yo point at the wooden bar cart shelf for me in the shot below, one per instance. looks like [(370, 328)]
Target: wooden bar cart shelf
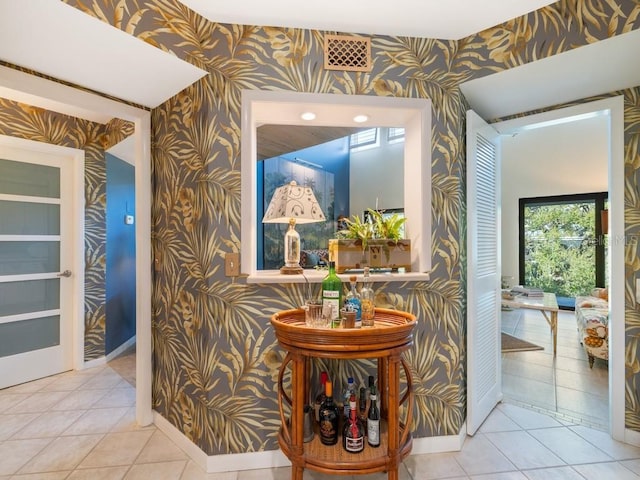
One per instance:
[(386, 341)]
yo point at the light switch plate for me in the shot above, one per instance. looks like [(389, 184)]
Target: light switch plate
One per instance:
[(232, 264)]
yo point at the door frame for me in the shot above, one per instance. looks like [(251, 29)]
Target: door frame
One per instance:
[(613, 108), (76, 243), (37, 91)]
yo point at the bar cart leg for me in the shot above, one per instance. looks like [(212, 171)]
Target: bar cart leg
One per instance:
[(383, 375), (393, 420), (297, 473), (298, 393)]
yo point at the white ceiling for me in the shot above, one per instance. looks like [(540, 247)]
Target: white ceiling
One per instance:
[(444, 19), (53, 38)]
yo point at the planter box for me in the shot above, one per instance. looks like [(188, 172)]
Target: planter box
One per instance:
[(379, 254)]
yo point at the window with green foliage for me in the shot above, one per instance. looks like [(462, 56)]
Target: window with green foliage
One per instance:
[(562, 248)]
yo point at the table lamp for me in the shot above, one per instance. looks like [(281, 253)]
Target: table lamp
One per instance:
[(293, 203)]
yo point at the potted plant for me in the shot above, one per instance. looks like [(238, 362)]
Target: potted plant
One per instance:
[(375, 242)]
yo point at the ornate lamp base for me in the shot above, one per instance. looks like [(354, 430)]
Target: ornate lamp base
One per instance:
[(291, 270)]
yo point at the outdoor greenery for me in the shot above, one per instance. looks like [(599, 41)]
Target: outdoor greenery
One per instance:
[(559, 247)]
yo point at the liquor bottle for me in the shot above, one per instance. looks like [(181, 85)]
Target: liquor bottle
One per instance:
[(371, 383), (362, 408), (332, 293), (353, 432), (373, 421), (371, 386), (352, 301), (329, 417), (320, 395), (348, 391), (367, 300)]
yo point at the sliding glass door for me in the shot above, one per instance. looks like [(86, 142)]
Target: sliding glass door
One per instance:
[(562, 245)]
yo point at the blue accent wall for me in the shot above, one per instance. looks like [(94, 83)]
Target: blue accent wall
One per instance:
[(334, 157), (121, 254)]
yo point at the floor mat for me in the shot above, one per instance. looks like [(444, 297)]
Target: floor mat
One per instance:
[(514, 344)]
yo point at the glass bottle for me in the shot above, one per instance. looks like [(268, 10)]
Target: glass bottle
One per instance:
[(329, 417), (373, 421), (348, 391), (367, 300), (371, 386), (353, 432), (352, 301), (332, 293), (362, 408), (320, 395)]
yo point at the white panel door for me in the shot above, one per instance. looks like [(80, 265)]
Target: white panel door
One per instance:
[(36, 290), (484, 384)]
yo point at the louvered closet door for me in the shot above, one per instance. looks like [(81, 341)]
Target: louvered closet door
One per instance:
[(484, 385)]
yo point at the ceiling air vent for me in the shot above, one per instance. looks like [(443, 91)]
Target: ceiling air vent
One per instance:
[(343, 52)]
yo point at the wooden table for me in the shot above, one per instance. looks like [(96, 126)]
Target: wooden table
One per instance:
[(547, 305), (386, 341)]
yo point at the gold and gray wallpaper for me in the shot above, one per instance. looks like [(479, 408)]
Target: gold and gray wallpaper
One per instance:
[(215, 356)]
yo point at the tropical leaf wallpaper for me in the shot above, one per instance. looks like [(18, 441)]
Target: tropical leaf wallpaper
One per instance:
[(33, 123), (215, 355)]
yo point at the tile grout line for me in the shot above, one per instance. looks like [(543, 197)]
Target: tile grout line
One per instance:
[(556, 415)]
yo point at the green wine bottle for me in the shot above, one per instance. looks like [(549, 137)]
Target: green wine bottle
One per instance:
[(332, 293)]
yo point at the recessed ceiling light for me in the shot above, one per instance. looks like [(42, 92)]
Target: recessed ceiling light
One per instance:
[(360, 118), (308, 116)]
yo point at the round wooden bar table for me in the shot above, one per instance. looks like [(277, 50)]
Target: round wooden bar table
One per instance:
[(386, 341)]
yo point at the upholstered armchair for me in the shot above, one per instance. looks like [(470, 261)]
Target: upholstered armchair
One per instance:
[(592, 317)]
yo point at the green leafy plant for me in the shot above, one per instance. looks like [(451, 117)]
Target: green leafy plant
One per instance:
[(389, 227), (357, 229), (377, 226)]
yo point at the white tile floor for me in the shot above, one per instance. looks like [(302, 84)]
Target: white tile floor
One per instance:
[(80, 426), (565, 386)]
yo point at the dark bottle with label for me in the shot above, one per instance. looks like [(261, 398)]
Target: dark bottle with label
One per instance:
[(320, 395), (362, 408), (373, 420), (371, 385), (329, 418), (332, 293), (353, 433)]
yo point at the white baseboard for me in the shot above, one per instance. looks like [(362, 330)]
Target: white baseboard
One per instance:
[(632, 437), (122, 348), (247, 461), (97, 362), (441, 444), (275, 458), (220, 463), (177, 437)]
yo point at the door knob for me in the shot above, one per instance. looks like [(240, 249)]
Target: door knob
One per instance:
[(66, 273)]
